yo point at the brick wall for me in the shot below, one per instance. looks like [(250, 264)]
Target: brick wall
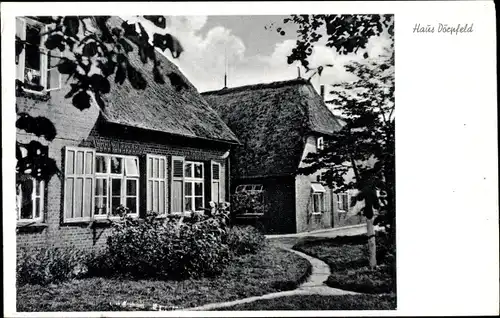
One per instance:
[(88, 130)]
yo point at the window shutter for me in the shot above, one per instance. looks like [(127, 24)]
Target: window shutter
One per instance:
[(156, 186), (216, 178), (79, 183), (21, 34), (177, 188)]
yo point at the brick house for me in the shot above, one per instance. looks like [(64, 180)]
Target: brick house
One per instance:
[(278, 124), (162, 149)]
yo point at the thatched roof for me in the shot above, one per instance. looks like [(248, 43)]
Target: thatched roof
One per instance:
[(271, 121), (161, 107)]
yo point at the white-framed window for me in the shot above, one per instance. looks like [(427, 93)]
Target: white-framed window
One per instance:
[(318, 205), (30, 195), (317, 198), (36, 65), (117, 183), (320, 143), (194, 196), (79, 184), (343, 202), (156, 187), (216, 182)]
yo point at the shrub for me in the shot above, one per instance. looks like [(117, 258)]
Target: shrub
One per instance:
[(172, 248), (48, 265), (245, 239)]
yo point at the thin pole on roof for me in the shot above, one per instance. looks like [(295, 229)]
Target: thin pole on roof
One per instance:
[(225, 67)]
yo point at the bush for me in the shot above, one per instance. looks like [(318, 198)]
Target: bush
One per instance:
[(48, 265), (172, 248), (248, 202), (245, 239)]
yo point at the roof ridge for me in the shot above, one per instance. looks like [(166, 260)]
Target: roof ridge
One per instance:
[(257, 86)]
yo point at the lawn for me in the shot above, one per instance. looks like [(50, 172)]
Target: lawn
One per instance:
[(269, 270), (348, 263), (317, 302)]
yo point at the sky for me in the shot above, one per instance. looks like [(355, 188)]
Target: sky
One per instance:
[(250, 50)]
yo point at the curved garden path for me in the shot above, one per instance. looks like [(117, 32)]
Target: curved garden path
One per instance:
[(314, 284)]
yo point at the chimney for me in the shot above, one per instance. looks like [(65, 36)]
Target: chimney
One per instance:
[(298, 70), (225, 80), (322, 91)]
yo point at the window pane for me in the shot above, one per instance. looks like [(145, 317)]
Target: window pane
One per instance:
[(162, 168), (116, 185), (88, 163), (68, 201), (101, 186), (38, 187), (131, 187), (150, 167), (198, 188), (101, 164), (78, 198), (101, 205), (79, 162), (70, 162), (198, 203), (26, 199), (132, 204), (150, 196), (116, 165), (115, 203), (32, 74), (188, 170), (87, 201), (157, 168), (38, 207), (188, 188), (198, 170), (188, 204), (155, 196), (161, 196)]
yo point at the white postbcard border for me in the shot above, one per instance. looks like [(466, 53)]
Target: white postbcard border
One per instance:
[(446, 149)]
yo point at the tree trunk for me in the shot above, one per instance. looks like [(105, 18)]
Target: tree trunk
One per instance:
[(372, 249)]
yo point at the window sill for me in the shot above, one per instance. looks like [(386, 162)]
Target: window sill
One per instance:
[(31, 224), (22, 227), (43, 95), (316, 213)]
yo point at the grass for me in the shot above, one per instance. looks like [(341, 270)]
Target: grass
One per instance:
[(269, 270), (317, 302), (347, 258)]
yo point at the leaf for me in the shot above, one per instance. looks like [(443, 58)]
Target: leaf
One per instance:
[(158, 77), (74, 88), (90, 49), (121, 74), (54, 41), (81, 100), (19, 46), (365, 55), (100, 83), (66, 66), (126, 46), (168, 41), (177, 81), (136, 78), (72, 25), (158, 20)]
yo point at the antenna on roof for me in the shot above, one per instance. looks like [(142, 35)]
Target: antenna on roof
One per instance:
[(225, 67)]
